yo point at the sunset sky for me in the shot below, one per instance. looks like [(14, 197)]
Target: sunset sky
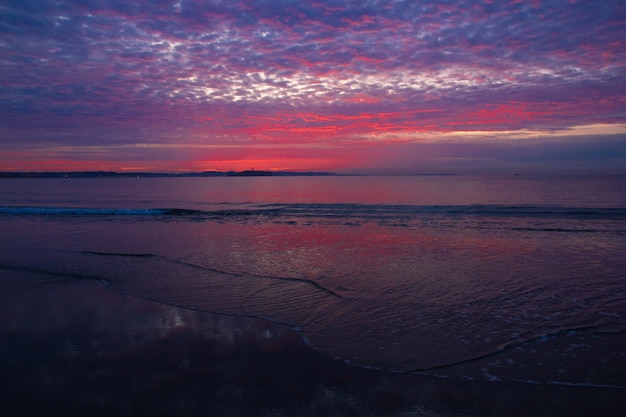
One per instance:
[(330, 85)]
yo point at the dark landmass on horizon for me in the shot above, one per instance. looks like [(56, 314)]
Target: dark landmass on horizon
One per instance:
[(112, 174), (246, 173)]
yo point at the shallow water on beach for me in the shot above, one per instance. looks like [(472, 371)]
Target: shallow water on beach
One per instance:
[(480, 278), (73, 348)]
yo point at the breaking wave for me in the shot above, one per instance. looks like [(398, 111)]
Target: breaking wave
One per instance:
[(355, 211)]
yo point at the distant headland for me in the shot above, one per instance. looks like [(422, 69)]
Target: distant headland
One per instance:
[(112, 174)]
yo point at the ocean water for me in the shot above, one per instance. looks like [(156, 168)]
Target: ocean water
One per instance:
[(504, 279)]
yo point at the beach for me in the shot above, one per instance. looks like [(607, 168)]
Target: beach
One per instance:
[(267, 296), (265, 208), (78, 349)]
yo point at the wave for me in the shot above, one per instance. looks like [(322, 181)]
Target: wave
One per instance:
[(78, 211), (305, 281), (330, 210)]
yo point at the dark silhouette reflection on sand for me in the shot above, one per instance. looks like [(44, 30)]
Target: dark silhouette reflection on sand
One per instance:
[(77, 349)]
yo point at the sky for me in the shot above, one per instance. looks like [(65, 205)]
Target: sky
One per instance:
[(371, 86)]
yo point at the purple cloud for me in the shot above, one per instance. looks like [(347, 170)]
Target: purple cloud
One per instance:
[(219, 72)]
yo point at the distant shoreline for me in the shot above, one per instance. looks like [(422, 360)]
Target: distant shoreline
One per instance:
[(112, 174), (203, 174)]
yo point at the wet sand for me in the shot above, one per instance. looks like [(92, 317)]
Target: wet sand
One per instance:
[(75, 348)]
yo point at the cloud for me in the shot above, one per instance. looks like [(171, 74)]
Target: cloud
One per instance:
[(262, 72)]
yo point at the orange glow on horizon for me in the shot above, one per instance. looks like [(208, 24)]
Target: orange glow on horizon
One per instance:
[(296, 164), (292, 164)]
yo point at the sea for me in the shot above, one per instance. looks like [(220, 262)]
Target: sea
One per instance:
[(494, 278)]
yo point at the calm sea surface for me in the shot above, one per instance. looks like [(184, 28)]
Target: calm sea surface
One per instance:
[(487, 278)]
